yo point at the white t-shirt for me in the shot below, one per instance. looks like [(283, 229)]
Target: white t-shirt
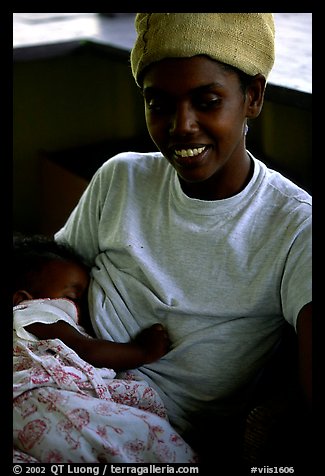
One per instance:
[(220, 275)]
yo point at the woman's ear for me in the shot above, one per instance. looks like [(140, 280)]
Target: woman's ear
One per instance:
[(20, 296), (255, 96)]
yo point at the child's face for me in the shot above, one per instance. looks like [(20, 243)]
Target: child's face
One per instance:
[(61, 279)]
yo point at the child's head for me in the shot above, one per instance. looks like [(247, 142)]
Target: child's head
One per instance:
[(44, 268)]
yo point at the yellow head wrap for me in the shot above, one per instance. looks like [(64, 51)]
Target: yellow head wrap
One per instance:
[(242, 40)]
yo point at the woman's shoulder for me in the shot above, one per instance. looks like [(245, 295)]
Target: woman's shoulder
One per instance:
[(281, 187)]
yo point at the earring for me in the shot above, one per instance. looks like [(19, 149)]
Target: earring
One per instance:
[(245, 129)]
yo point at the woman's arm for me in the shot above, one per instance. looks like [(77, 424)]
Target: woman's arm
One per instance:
[(304, 333), (151, 344)]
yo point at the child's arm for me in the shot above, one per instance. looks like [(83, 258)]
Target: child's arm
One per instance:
[(151, 344)]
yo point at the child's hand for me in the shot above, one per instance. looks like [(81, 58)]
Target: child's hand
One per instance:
[(154, 341)]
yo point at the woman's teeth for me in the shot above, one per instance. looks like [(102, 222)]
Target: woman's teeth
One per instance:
[(189, 152)]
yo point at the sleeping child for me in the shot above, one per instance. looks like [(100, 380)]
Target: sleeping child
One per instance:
[(68, 405)]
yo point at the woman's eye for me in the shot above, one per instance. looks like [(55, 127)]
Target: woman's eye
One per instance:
[(155, 105), (159, 104), (207, 102)]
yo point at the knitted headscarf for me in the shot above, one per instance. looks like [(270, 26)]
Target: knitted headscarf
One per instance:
[(242, 40)]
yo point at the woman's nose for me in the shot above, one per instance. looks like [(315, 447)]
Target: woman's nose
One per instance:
[(183, 121)]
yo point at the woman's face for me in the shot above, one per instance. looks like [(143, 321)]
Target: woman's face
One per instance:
[(196, 113)]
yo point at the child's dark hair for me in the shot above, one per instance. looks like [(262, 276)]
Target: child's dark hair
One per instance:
[(32, 252)]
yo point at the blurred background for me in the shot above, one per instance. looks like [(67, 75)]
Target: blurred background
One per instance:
[(75, 104)]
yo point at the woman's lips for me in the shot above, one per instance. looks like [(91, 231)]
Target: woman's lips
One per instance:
[(189, 152), (189, 156)]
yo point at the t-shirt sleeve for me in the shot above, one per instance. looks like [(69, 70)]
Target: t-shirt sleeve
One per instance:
[(82, 226)]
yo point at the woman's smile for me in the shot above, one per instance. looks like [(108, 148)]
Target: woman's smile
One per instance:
[(190, 157)]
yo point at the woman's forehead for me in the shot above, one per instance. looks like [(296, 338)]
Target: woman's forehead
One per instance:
[(186, 73)]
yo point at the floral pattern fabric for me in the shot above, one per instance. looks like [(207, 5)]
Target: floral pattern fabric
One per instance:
[(67, 411)]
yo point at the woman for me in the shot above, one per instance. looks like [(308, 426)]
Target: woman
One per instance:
[(200, 236)]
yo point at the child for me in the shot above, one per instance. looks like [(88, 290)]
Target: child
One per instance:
[(68, 405), (46, 269)]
